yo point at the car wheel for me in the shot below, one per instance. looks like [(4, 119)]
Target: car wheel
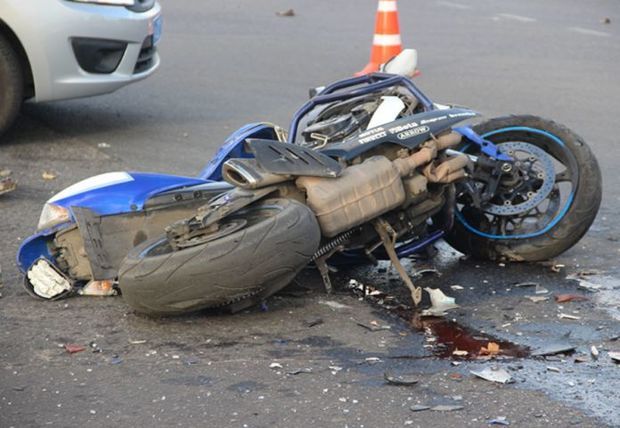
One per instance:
[(11, 84)]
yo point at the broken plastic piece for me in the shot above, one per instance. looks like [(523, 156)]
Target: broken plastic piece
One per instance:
[(419, 408), (440, 303), (568, 316), (563, 298), (446, 408), (615, 356), (400, 380), (553, 349), (500, 420), (98, 288), (72, 348), (275, 366), (493, 374)]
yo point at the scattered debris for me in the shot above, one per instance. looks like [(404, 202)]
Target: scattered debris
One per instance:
[(537, 299), (373, 360), (615, 356), (48, 175), (457, 287), (583, 283), (103, 145), (115, 360), (581, 359), (526, 284), (493, 374), (446, 407), (492, 348), (275, 366), (440, 303), (568, 316), (334, 305), (460, 353), (426, 271), (400, 380), (373, 326), (335, 369), (7, 184), (563, 298), (419, 408), (286, 13), (606, 20), (557, 267), (594, 352), (298, 371), (500, 420), (311, 322), (73, 348), (98, 288), (540, 289), (137, 342), (553, 369), (554, 349)]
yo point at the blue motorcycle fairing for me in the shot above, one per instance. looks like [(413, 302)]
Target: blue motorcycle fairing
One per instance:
[(124, 196), (36, 246), (233, 147), (410, 132)]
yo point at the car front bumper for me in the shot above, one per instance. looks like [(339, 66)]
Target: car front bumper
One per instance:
[(47, 34)]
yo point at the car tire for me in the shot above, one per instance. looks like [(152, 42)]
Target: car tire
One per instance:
[(11, 84)]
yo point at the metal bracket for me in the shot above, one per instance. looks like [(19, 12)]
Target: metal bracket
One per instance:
[(388, 236), (88, 225), (321, 264)]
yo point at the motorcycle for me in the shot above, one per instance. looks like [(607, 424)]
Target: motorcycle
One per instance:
[(369, 169)]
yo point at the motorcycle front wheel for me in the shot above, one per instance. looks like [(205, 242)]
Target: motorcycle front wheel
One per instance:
[(256, 252), (545, 207)]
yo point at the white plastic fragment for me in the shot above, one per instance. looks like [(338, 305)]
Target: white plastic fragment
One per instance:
[(334, 305), (275, 366), (568, 316), (594, 352), (493, 374), (440, 303)]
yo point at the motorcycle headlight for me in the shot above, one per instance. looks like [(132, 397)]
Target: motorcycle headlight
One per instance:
[(109, 2), (52, 215)]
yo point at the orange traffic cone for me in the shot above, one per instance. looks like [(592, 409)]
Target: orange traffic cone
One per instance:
[(386, 41)]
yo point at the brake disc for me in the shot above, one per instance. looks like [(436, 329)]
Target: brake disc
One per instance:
[(540, 164)]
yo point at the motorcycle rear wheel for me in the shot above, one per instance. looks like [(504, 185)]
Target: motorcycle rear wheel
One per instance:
[(233, 271), (556, 224)]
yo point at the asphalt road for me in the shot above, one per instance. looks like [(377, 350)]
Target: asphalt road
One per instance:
[(228, 64)]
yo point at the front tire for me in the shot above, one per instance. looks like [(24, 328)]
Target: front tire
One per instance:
[(232, 272), (11, 85), (561, 222)]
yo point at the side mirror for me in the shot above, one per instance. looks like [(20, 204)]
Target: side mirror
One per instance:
[(403, 64)]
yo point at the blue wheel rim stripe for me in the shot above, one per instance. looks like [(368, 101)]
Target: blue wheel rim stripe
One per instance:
[(547, 228)]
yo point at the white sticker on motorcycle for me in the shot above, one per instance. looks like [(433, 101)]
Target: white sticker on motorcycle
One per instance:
[(92, 183), (413, 132)]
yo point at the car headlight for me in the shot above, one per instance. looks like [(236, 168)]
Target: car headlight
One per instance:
[(109, 2), (52, 215)]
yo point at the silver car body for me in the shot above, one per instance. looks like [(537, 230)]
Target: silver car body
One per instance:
[(45, 29)]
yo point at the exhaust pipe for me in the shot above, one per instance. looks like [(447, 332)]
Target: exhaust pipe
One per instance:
[(246, 174)]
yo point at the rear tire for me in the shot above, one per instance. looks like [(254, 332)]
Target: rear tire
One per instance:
[(11, 85), (233, 272), (573, 220)]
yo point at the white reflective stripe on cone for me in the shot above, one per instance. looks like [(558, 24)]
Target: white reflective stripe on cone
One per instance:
[(386, 40), (387, 6)]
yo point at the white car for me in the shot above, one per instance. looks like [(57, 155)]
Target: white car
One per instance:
[(60, 49)]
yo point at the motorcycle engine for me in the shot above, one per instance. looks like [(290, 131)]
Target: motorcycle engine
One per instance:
[(335, 127)]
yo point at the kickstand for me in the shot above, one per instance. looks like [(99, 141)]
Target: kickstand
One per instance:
[(388, 237), (321, 264)]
